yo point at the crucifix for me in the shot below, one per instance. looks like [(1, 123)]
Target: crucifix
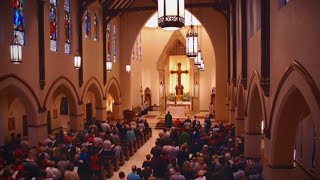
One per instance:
[(179, 87)]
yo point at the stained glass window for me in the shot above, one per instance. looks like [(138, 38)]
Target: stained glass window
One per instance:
[(53, 26), (114, 43), (95, 27), (108, 39), (67, 27), (18, 24), (87, 24)]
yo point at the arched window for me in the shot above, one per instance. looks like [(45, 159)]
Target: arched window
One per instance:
[(18, 22), (95, 27), (87, 24), (67, 27), (53, 26), (115, 43)]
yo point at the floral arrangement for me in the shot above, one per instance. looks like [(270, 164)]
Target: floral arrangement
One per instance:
[(171, 97), (186, 97)]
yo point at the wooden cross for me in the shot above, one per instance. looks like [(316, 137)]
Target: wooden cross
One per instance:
[(179, 72)]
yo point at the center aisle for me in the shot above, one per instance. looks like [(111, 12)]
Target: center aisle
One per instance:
[(138, 158)]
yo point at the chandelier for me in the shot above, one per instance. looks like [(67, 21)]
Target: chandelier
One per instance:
[(108, 66), (192, 42), (77, 61), (201, 66), (16, 53), (128, 68), (197, 60), (170, 14)]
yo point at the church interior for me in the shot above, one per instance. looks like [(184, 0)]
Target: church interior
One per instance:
[(77, 76)]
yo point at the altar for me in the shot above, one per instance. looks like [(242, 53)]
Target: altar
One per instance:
[(178, 109)]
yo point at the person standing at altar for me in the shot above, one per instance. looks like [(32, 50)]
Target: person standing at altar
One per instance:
[(168, 120)]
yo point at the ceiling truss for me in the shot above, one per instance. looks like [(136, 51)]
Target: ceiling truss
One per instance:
[(114, 8)]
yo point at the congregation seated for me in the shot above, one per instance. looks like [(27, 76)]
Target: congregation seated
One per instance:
[(73, 155), (192, 150)]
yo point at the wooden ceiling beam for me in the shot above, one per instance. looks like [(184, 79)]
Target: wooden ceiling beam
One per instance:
[(194, 5)]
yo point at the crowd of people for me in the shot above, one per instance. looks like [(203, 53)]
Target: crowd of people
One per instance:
[(70, 155), (191, 150), (188, 150)]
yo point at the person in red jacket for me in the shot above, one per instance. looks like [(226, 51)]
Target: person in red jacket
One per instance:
[(95, 165)]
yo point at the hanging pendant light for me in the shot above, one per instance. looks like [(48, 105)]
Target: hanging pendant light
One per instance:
[(16, 53), (192, 42), (128, 68), (171, 14), (108, 66), (197, 60), (77, 61), (201, 67)]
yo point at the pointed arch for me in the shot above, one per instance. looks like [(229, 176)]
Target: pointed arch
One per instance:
[(113, 89), (255, 82), (240, 100), (310, 88), (22, 90), (9, 79), (94, 85), (63, 84), (297, 96), (175, 37), (114, 81)]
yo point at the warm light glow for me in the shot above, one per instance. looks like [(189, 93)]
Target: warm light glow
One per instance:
[(128, 68), (153, 21), (185, 78), (109, 66), (201, 66), (171, 14), (197, 60), (16, 54), (192, 42), (77, 61)]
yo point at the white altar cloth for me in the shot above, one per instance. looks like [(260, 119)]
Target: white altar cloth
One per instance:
[(178, 109)]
